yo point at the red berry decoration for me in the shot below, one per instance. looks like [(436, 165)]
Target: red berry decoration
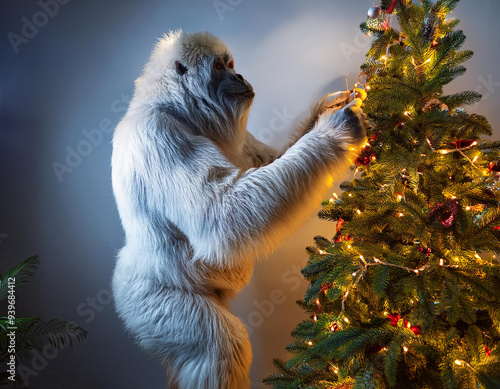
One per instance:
[(417, 330), (426, 251), (487, 350), (400, 125), (494, 167), (340, 223), (462, 143), (366, 157), (394, 319), (446, 212)]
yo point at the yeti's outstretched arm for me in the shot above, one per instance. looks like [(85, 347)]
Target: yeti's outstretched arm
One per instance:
[(230, 216)]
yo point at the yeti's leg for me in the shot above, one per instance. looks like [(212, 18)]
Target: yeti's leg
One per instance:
[(213, 350)]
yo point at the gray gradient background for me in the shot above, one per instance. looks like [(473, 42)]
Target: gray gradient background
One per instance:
[(75, 72)]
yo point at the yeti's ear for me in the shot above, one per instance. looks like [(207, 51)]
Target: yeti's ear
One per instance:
[(180, 68)]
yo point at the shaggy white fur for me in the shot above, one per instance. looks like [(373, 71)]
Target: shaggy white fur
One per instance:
[(201, 199)]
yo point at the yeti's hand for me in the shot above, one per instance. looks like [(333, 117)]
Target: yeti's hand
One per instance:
[(348, 123), (340, 99), (334, 101)]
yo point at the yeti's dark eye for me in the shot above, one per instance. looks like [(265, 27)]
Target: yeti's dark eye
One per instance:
[(230, 65), (218, 65)]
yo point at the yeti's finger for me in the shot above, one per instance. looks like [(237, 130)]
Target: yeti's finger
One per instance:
[(336, 98), (356, 103)]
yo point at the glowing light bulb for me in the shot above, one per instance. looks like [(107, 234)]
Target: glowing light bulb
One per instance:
[(475, 158), (405, 349), (467, 208), (348, 246), (310, 343), (358, 211), (376, 260), (385, 313), (354, 274), (458, 362), (315, 318), (400, 214), (346, 319), (441, 262), (335, 195), (350, 194), (332, 200), (406, 113), (367, 87)]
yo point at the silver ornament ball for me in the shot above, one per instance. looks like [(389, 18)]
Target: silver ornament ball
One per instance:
[(374, 12)]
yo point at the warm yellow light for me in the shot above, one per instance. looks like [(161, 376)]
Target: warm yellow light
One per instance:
[(441, 262), (362, 258), (477, 256), (310, 343), (335, 195), (346, 319), (354, 274), (317, 301), (335, 371), (332, 200), (399, 197), (350, 194), (406, 113), (443, 151), (475, 158), (348, 246), (315, 317), (428, 60), (367, 87), (416, 271), (322, 252), (453, 197), (376, 260), (358, 211), (467, 208), (400, 214), (458, 362), (405, 349), (383, 58), (456, 258)]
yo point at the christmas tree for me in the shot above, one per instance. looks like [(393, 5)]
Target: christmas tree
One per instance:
[(407, 292)]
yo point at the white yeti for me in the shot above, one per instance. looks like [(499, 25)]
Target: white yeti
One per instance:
[(201, 199)]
